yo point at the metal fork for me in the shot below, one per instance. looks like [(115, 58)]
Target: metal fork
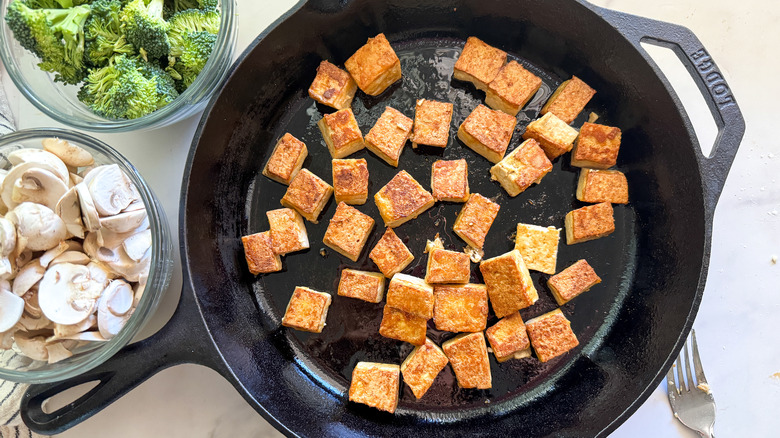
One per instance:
[(692, 404)]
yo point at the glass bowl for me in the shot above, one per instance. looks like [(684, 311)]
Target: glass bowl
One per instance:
[(19, 368), (59, 101)]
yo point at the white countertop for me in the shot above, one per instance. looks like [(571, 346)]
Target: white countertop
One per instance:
[(737, 324)]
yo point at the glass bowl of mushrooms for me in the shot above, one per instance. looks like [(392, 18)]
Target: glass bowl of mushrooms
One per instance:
[(85, 254)]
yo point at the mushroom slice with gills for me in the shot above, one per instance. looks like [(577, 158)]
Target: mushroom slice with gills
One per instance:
[(125, 222), (137, 245), (111, 190), (111, 239), (70, 154), (57, 352), (31, 346), (68, 208), (67, 294), (31, 323), (11, 309), (7, 237), (136, 205), (52, 254), (62, 331), (100, 273), (130, 269), (88, 211), (41, 228), (40, 158), (75, 257), (31, 306), (39, 186), (16, 172), (113, 308), (27, 277), (23, 258)]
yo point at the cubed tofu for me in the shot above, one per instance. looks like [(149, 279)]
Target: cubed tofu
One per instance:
[(411, 294), (589, 223), (421, 367), (286, 159), (307, 194), (260, 255), (525, 165), (307, 310), (332, 86), (390, 254), (350, 180), (388, 136), (348, 231), (475, 219), (446, 267), (375, 66), (376, 385), (487, 132), (288, 233), (508, 338), (602, 186), (469, 359), (597, 146), (479, 63), (572, 281), (568, 101), (554, 135), (366, 286), (551, 335), (461, 308), (508, 282), (402, 199), (399, 325), (450, 180), (512, 88), (341, 133), (538, 246), (431, 123)]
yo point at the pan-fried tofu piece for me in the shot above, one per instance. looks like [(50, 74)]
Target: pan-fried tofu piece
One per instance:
[(538, 246), (479, 63), (259, 254), (568, 101), (474, 220), (402, 199), (421, 367), (399, 325), (572, 281), (350, 180), (508, 338), (487, 132), (525, 165), (411, 294), (597, 146), (390, 254), (375, 66), (554, 135), (589, 223), (348, 231), (366, 286), (332, 86), (512, 88), (450, 180), (461, 308), (469, 359), (446, 267), (376, 385), (431, 123), (288, 233), (341, 133), (307, 194), (508, 282), (388, 136), (286, 159), (551, 335), (307, 310), (602, 186)]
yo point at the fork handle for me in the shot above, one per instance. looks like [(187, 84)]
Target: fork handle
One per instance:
[(707, 434)]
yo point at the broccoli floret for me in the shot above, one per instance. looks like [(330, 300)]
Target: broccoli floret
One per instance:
[(174, 6), (104, 33), (193, 20), (50, 4), (145, 28), (189, 54)]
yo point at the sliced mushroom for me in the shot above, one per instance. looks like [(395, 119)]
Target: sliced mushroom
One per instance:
[(31, 306), (67, 294), (23, 258), (86, 336), (110, 239), (138, 292), (31, 323), (39, 186), (75, 257), (40, 158), (31, 346), (11, 308), (88, 211), (75, 179), (136, 205), (62, 331), (27, 277), (16, 173), (137, 245), (111, 190), (7, 338), (7, 237), (38, 224), (125, 222), (90, 172), (113, 308), (70, 154), (128, 268), (68, 208), (57, 352), (6, 268)]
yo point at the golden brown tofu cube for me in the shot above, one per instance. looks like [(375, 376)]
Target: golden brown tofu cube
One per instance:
[(525, 165), (446, 267), (399, 325), (431, 123), (461, 308), (366, 286), (508, 338), (479, 63), (376, 385), (288, 233), (348, 231), (589, 223), (307, 310), (474, 220), (286, 159), (390, 254), (487, 132), (307, 194), (572, 281), (450, 180), (411, 294), (388, 136), (508, 282), (538, 246), (375, 66), (602, 186), (554, 135), (551, 335), (350, 180), (332, 86), (468, 356), (512, 88), (568, 101), (259, 254), (402, 199), (597, 146), (341, 133), (421, 367)]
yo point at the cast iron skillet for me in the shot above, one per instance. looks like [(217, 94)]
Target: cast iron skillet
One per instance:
[(630, 327)]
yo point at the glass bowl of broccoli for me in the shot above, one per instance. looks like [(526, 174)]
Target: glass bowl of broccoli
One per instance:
[(117, 65)]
